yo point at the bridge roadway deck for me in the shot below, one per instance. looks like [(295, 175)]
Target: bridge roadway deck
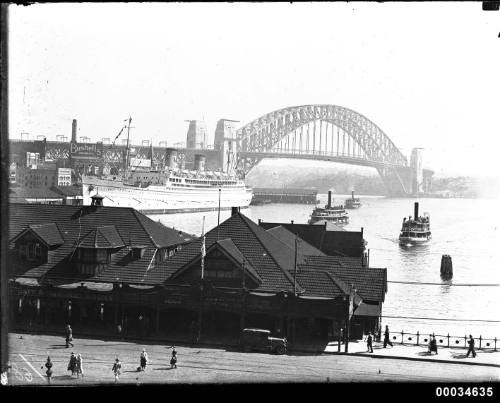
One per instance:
[(218, 365), (319, 156)]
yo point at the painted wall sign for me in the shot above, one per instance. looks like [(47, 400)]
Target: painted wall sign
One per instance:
[(85, 150)]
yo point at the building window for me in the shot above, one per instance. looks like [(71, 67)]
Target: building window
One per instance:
[(92, 260)]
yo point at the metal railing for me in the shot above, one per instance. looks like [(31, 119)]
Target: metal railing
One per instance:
[(447, 340)]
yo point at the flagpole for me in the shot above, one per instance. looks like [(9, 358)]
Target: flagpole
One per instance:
[(295, 266), (243, 267), (218, 215), (128, 145), (203, 248)]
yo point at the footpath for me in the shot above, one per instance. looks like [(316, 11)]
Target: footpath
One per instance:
[(454, 355)]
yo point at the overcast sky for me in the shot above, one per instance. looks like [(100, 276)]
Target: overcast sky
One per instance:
[(427, 74)]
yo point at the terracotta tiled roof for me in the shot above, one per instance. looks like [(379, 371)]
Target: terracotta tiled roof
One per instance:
[(161, 235), (227, 247), (75, 222), (288, 238), (231, 249), (48, 233), (102, 237), (332, 243), (370, 282), (271, 258)]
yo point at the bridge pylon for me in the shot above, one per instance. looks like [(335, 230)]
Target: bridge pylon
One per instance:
[(398, 181)]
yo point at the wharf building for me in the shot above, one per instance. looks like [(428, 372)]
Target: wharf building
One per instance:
[(98, 267), (284, 195), (106, 158)]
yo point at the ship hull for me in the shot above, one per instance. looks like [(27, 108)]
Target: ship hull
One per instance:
[(165, 200), (337, 221), (413, 241)]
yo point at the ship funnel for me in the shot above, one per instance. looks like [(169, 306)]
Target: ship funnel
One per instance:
[(171, 157), (329, 198), (415, 216), (352, 194), (199, 162)]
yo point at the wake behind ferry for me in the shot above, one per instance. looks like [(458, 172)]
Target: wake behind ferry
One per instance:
[(416, 230), (172, 190)]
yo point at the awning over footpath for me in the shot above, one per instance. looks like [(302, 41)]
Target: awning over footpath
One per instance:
[(368, 310), (89, 285), (30, 282)]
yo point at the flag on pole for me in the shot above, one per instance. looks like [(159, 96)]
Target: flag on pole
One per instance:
[(203, 248)]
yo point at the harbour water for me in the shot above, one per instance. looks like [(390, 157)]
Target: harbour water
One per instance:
[(465, 229)]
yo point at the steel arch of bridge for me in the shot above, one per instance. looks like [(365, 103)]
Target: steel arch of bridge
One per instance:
[(264, 133)]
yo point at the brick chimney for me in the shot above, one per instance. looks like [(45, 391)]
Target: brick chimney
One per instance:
[(73, 131)]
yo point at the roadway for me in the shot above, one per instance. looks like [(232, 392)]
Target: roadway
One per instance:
[(28, 354)]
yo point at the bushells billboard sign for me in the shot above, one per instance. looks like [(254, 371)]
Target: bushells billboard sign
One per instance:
[(85, 150)]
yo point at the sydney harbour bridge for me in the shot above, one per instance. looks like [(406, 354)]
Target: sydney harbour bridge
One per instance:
[(308, 132)]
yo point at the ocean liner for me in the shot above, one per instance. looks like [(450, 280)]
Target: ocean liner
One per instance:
[(172, 190)]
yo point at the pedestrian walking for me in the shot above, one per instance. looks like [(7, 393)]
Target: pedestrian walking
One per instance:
[(48, 365), (117, 368), (69, 336), (173, 360), (72, 364), (369, 342), (144, 359), (471, 347), (386, 337), (79, 365), (433, 344)]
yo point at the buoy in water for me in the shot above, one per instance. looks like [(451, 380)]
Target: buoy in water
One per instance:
[(446, 267)]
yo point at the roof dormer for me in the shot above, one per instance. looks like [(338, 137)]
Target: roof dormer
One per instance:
[(34, 242)]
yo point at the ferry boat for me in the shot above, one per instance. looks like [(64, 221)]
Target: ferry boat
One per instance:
[(329, 213), (416, 230), (353, 202), (172, 190)]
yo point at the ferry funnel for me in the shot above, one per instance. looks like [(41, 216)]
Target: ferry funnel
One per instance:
[(329, 198), (416, 211)]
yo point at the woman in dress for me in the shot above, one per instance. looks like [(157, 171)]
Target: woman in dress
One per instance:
[(72, 364), (79, 365)]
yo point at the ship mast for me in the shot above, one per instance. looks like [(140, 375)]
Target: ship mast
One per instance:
[(127, 152)]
